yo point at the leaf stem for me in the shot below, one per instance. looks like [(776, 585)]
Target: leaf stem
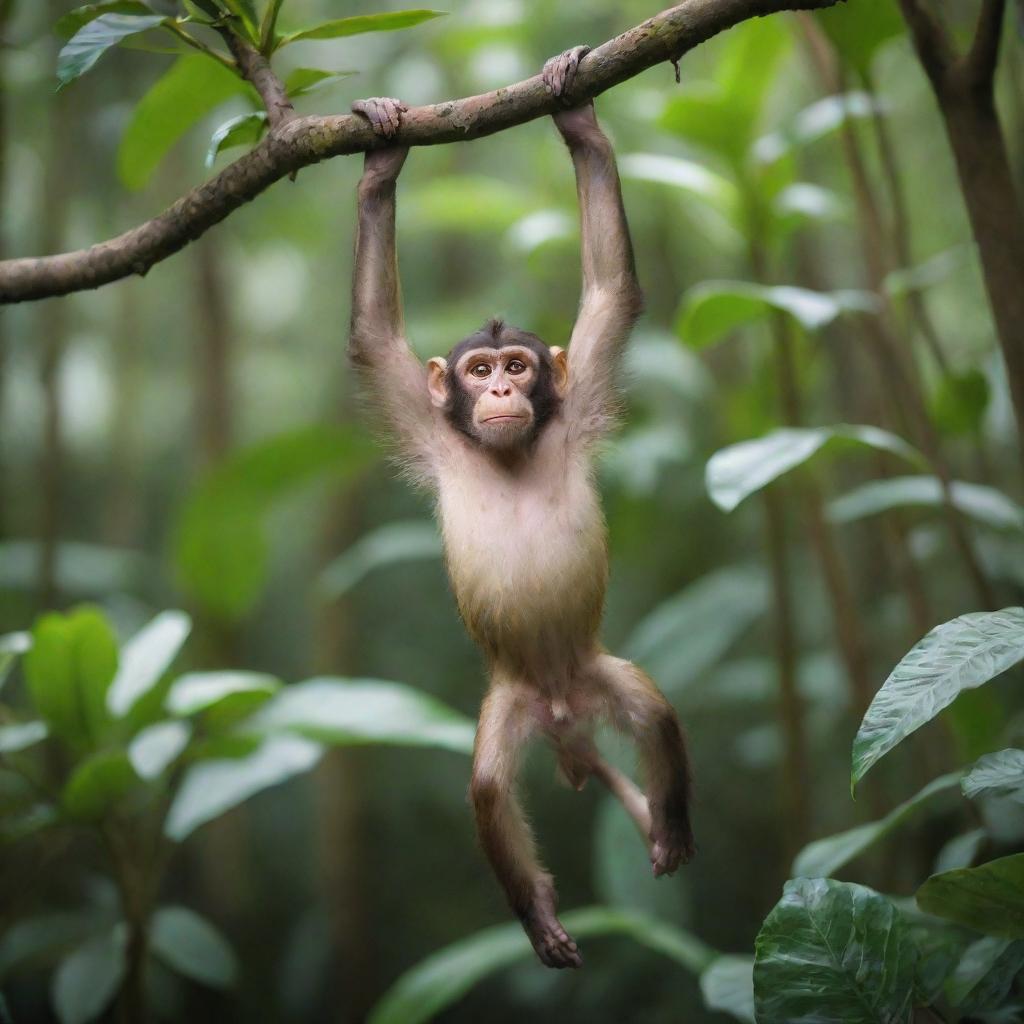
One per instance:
[(171, 24)]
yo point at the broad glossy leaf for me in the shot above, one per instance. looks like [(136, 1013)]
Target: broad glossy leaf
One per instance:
[(209, 788), (190, 945), (982, 978), (302, 81), (11, 645), (956, 656), (98, 783), (71, 22), (858, 35), (21, 736), (983, 504), (443, 978), (684, 636), (243, 130), (157, 746), (87, 980), (833, 952), (1000, 774), (387, 21), (193, 86), (145, 658), (824, 857), (742, 469), (95, 37), (199, 691), (821, 118), (714, 309), (394, 543), (354, 711), (728, 985), (988, 898)]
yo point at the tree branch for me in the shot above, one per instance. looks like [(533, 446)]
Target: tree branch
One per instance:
[(932, 42), (300, 141), (256, 69), (984, 55)]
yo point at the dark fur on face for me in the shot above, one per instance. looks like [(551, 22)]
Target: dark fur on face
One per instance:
[(495, 333)]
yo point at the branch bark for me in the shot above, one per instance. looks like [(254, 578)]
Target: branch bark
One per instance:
[(301, 141), (256, 69)]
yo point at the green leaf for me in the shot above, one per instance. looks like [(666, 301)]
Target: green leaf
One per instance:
[(714, 309), (97, 36), (21, 736), (157, 746), (728, 985), (97, 783), (961, 851), (984, 975), (193, 86), (984, 504), (833, 951), (190, 945), (209, 788), (71, 22), (821, 118), (688, 175), (11, 645), (199, 691), (360, 23), (443, 978), (86, 981), (956, 656), (960, 402), (355, 711), (302, 81), (1000, 774), (824, 857), (391, 544), (145, 658), (684, 636), (736, 472), (858, 35), (243, 130), (989, 899)]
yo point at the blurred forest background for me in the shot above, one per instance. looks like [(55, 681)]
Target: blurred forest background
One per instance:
[(191, 440)]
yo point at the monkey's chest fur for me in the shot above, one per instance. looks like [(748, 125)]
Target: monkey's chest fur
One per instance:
[(527, 558)]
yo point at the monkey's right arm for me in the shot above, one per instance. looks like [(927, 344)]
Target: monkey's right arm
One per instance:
[(388, 368)]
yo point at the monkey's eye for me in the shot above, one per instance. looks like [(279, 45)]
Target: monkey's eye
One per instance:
[(480, 370), (515, 366)]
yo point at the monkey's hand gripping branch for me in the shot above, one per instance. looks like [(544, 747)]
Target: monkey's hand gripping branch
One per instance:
[(296, 142)]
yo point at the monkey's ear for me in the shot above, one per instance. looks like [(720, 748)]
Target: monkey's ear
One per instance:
[(437, 368), (560, 370)]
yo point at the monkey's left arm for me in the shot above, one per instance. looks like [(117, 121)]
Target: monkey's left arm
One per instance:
[(612, 300)]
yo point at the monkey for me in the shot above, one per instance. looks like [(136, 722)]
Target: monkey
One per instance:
[(503, 433)]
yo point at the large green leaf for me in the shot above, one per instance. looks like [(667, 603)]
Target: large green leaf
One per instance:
[(145, 658), (220, 549), (97, 784), (354, 711), (192, 87), (713, 309), (443, 978), (87, 980), (684, 636), (988, 898), (387, 21), (985, 973), (157, 746), (956, 656), (1000, 774), (393, 543), (97, 36), (67, 25), (728, 985), (984, 504), (833, 952), (200, 691), (190, 945), (736, 472), (209, 788), (824, 857), (858, 34), (301, 81)]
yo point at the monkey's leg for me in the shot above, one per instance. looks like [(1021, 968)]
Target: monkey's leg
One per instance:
[(506, 721), (639, 708)]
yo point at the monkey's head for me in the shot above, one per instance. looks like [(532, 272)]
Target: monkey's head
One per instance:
[(500, 386)]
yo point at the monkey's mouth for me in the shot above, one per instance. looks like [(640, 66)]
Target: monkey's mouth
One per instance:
[(502, 418)]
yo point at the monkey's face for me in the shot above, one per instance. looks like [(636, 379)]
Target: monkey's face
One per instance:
[(498, 395)]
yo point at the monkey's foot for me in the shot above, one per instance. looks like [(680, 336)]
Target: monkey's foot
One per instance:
[(671, 844), (383, 112), (550, 940), (559, 73)]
